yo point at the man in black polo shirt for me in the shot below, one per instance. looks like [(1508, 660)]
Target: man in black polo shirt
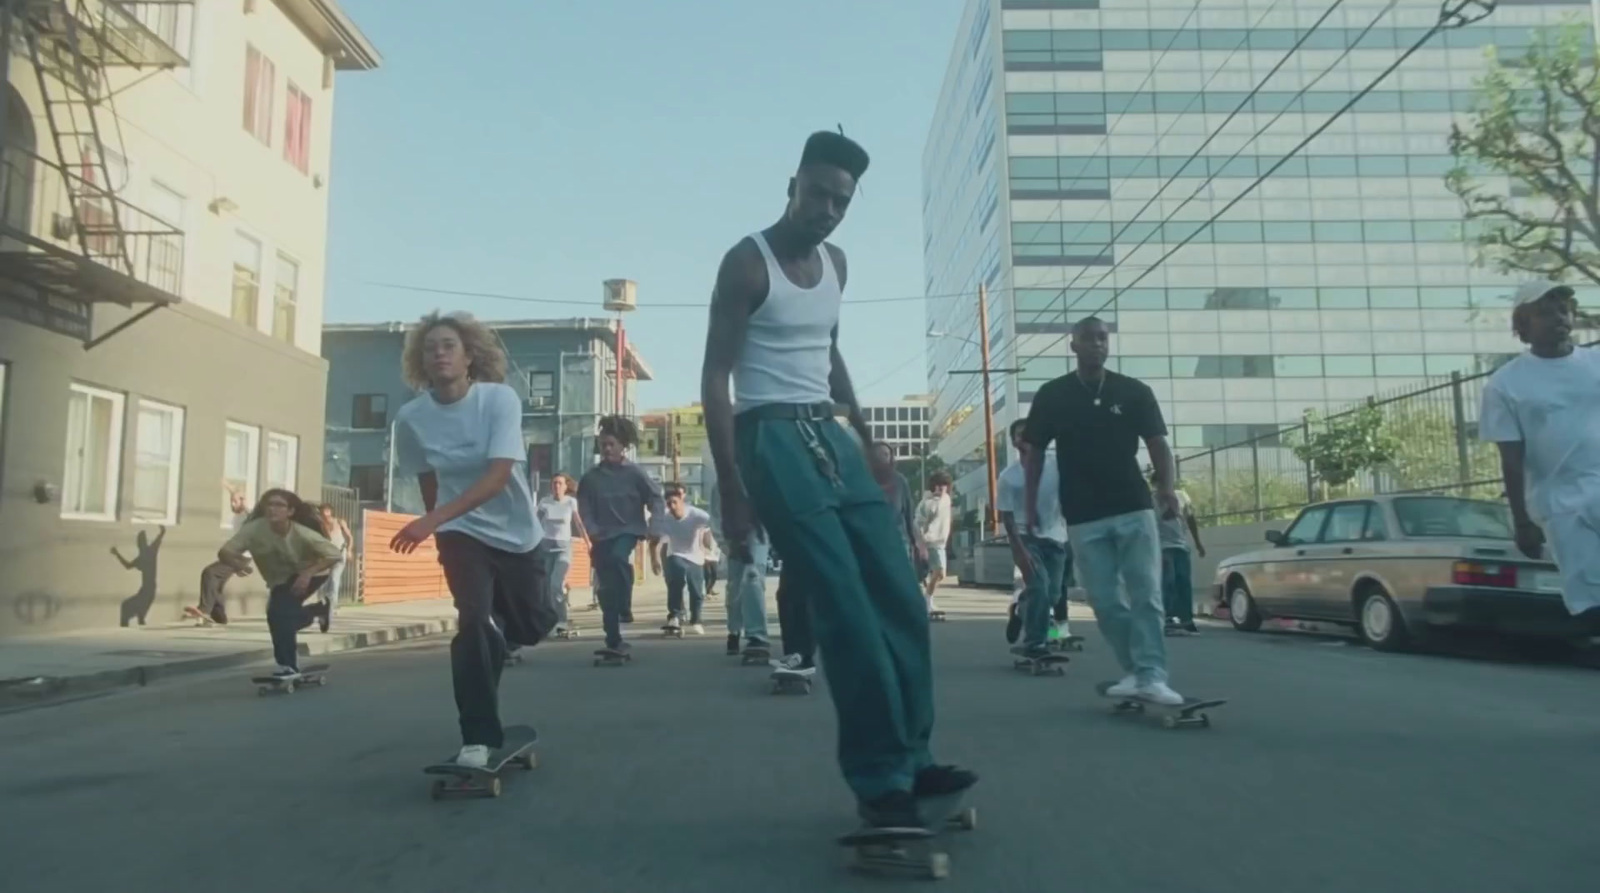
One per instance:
[(1096, 419)]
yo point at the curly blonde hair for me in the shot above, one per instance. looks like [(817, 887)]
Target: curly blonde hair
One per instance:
[(486, 359)]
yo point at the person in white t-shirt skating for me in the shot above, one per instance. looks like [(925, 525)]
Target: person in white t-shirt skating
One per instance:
[(1041, 554), (558, 512), (933, 521), (685, 532), (1542, 410)]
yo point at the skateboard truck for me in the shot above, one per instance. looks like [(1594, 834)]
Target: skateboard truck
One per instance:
[(908, 851), (608, 657), (1041, 665), (316, 674)]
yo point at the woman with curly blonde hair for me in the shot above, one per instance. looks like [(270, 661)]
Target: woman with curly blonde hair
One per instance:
[(462, 438)]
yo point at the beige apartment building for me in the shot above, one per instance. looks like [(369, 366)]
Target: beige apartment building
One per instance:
[(164, 188)]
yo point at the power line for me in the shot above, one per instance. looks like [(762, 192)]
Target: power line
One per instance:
[(1453, 14), (461, 293)]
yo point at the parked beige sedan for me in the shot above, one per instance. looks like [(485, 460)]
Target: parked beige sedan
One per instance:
[(1395, 566)]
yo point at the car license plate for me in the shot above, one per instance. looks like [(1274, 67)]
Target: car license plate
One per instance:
[(1547, 581)]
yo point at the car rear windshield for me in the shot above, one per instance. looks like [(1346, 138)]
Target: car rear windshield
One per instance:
[(1447, 516)]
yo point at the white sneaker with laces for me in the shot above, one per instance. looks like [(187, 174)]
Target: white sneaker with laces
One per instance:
[(474, 756), (1127, 687), (697, 629), (1160, 693), (787, 662)]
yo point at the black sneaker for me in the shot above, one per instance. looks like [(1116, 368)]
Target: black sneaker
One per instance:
[(896, 809), (1032, 652), (324, 617), (1014, 624), (1191, 629), (942, 781)]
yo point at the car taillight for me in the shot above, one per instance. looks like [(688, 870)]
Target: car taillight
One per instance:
[(1475, 573)]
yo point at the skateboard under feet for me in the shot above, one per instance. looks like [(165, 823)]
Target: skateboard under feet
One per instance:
[(571, 632), (755, 656), (513, 658), (1190, 713), (1067, 643), (1041, 665), (791, 682), (611, 657), (937, 616), (316, 674), (912, 851), (467, 781), (671, 632)]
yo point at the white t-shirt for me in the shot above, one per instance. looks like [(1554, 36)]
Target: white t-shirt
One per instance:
[(1013, 497), (556, 515), (933, 520), (456, 441), (1552, 406), (685, 536)]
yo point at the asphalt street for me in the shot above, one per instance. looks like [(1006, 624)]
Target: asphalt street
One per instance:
[(1332, 768)]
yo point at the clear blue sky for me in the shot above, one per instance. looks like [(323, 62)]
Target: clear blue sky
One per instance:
[(536, 149)]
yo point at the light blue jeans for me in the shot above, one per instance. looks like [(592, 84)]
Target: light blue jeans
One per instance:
[(1118, 559), (747, 591)]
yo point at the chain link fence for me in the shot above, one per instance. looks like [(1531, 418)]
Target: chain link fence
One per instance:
[(1434, 427)]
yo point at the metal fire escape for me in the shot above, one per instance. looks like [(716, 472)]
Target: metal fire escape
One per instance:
[(81, 241)]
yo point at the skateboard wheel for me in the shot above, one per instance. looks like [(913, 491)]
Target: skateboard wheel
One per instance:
[(968, 819), (492, 789), (288, 688), (528, 761), (1170, 722), (1205, 721), (436, 790), (261, 691), (938, 866)]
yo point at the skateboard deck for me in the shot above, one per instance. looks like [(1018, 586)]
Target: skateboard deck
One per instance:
[(466, 781), (754, 656), (1190, 713), (671, 632), (912, 851), (1043, 665), (610, 657), (1067, 643), (513, 658), (790, 682), (315, 674), (571, 632), (937, 616)]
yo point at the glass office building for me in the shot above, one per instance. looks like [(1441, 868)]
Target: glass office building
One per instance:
[(1344, 274)]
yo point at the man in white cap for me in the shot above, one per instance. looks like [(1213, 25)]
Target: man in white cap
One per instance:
[(1542, 410)]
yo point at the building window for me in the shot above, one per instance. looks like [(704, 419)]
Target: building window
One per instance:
[(94, 454), (158, 462), (283, 458), (541, 389), (259, 76), (368, 481), (246, 280), (241, 457), (370, 412), (166, 249), (96, 209), (285, 299), (297, 130)]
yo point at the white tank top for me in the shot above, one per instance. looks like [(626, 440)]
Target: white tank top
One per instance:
[(788, 348)]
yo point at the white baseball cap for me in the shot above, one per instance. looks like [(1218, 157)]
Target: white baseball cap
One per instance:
[(1534, 289)]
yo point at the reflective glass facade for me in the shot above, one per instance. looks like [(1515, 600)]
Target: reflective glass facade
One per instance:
[(1344, 274)]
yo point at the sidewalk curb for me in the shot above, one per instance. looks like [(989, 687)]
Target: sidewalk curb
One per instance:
[(40, 691)]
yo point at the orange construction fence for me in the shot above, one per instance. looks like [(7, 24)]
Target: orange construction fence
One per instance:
[(391, 577)]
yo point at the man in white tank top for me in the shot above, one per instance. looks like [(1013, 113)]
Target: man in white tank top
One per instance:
[(789, 467)]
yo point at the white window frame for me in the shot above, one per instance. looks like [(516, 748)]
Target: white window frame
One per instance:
[(174, 463), (245, 244), (283, 292), (252, 473), (274, 439), (113, 469)]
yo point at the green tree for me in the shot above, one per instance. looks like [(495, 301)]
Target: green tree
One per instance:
[(1526, 169), (1234, 498), (1346, 445)]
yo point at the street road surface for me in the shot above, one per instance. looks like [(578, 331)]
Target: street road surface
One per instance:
[(1331, 769)]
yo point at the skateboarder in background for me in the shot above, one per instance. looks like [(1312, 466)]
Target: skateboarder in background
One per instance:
[(215, 576), (284, 538), (1540, 410), (1177, 565), (613, 498), (783, 457), (462, 438), (747, 579), (1096, 418), (1040, 552), (558, 512), (933, 520), (685, 531)]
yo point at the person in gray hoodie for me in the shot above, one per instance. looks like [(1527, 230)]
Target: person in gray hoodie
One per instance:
[(613, 497)]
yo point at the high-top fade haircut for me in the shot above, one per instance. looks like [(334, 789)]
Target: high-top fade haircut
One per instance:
[(835, 150)]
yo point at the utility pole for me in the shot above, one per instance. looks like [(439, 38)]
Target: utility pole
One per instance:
[(988, 402)]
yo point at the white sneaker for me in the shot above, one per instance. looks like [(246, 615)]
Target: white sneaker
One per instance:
[(697, 629), (473, 756), (1126, 688), (787, 662), (1159, 693)]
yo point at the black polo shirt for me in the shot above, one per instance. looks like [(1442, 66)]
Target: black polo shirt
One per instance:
[(1096, 429)]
